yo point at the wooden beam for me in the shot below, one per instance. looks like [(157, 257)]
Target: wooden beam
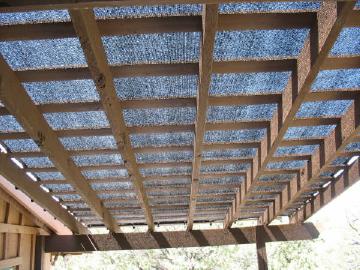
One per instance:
[(10, 228), (112, 27), (253, 99), (244, 124), (117, 71), (238, 145), (335, 94), (129, 26), (300, 142), (18, 177), (206, 146), (28, 5), (90, 39), (209, 26), (176, 239), (265, 21), (256, 65), (12, 262), (166, 128), (290, 158), (15, 99), (311, 58), (344, 62), (353, 19), (108, 131), (316, 121)]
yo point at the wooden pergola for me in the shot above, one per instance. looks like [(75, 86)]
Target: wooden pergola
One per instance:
[(146, 152)]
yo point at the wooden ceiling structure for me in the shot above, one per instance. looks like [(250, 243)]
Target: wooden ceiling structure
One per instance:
[(262, 191)]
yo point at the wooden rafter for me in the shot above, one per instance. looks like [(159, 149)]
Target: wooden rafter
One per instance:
[(87, 30), (310, 60), (209, 26), (15, 99), (347, 129), (350, 176)]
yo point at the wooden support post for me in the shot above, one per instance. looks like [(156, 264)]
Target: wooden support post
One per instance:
[(42, 260), (39, 252), (261, 248)]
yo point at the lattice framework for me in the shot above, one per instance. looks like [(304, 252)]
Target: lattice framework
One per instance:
[(257, 180)]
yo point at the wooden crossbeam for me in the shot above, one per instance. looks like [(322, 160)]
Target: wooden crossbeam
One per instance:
[(117, 72), (114, 27), (29, 5), (255, 65), (165, 188), (290, 158), (341, 62), (18, 177), (254, 99), (313, 55), (15, 99), (175, 239), (300, 142), (244, 124), (88, 32), (337, 94), (184, 196)]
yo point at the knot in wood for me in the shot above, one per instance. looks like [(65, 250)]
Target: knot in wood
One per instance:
[(40, 139), (100, 81)]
